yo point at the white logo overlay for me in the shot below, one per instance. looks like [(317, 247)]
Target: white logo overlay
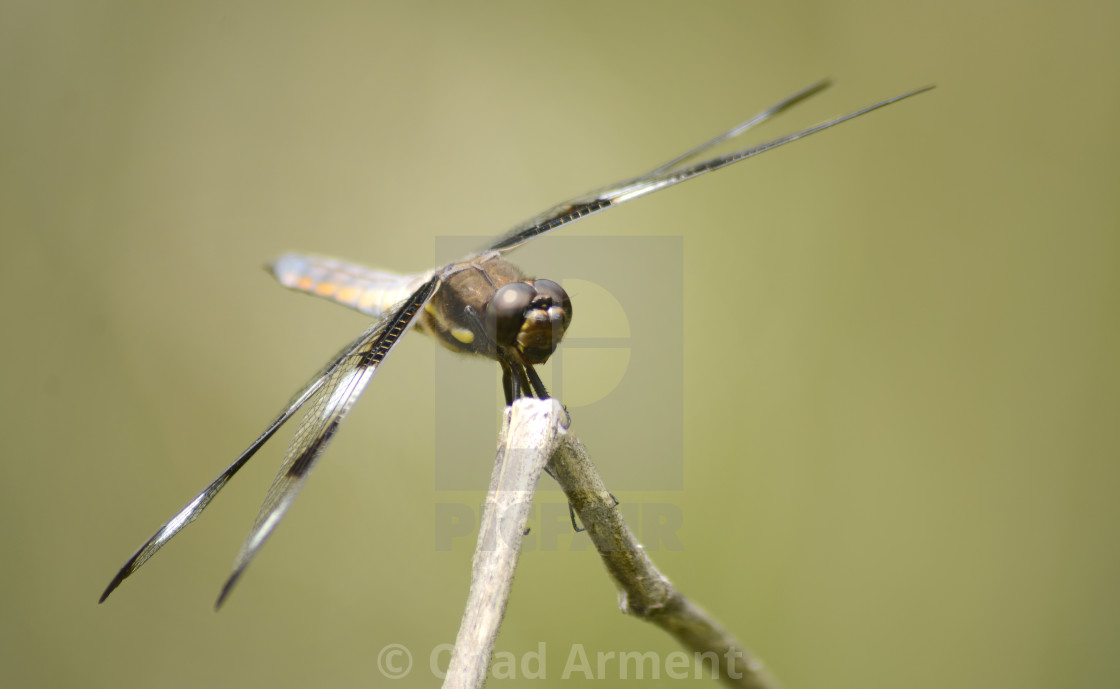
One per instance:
[(619, 370)]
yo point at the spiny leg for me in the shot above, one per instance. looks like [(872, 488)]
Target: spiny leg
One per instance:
[(523, 385), (535, 382)]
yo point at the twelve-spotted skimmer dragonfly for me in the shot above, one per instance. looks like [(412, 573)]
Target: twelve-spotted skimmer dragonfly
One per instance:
[(481, 305)]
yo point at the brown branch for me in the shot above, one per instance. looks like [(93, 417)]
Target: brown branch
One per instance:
[(645, 592)]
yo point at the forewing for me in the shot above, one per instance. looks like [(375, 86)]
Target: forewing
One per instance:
[(669, 174), (195, 507), (373, 292), (744, 126), (331, 404)]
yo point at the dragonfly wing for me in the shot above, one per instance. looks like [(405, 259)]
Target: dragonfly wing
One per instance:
[(332, 402), (672, 173), (749, 124), (370, 291), (195, 507)]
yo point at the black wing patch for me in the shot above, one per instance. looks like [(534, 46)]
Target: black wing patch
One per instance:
[(345, 383), (358, 350), (195, 507)]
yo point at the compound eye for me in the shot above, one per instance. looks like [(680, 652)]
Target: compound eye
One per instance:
[(506, 311), (557, 295)]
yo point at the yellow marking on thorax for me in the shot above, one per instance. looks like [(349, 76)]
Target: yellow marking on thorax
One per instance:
[(463, 335)]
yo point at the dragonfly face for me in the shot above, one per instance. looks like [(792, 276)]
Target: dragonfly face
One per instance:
[(531, 317), (481, 305)]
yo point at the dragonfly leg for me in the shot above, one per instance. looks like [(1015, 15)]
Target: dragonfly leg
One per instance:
[(535, 382), (571, 508), (524, 387), (572, 514), (509, 382)]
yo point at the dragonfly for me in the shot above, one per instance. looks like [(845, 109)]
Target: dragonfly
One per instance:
[(482, 305)]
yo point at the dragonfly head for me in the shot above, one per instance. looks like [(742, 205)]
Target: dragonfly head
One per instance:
[(530, 317)]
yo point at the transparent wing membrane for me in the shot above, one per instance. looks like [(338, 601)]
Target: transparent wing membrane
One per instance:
[(195, 507), (334, 400), (671, 173), (327, 377)]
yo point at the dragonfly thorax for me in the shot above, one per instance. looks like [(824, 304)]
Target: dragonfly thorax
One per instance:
[(486, 306)]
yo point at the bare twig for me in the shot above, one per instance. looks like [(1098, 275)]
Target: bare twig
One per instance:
[(643, 590), (528, 438)]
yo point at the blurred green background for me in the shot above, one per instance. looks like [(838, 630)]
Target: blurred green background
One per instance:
[(900, 364)]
